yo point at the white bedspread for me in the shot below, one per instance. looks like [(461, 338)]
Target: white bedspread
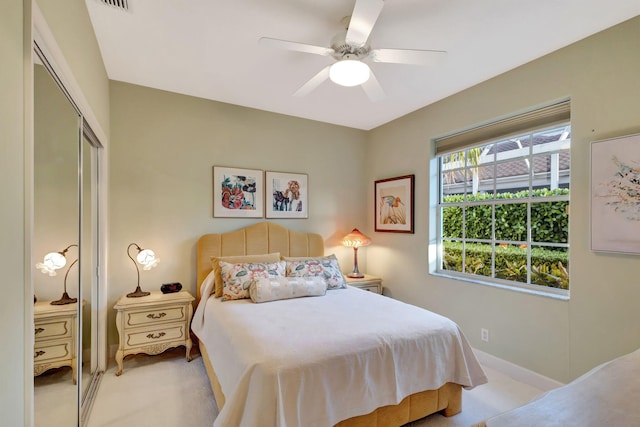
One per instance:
[(316, 361)]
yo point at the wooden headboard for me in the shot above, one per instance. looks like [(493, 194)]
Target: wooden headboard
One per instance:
[(261, 238)]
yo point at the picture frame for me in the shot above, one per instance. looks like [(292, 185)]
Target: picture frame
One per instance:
[(394, 205), (615, 195), (238, 193), (286, 194)]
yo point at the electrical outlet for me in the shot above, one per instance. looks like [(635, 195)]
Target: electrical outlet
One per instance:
[(484, 335)]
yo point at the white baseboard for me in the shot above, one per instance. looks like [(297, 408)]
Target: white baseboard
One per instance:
[(517, 372)]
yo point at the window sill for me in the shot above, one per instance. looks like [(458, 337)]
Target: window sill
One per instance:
[(539, 293)]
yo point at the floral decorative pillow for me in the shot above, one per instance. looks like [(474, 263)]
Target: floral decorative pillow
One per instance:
[(326, 267), (237, 278), (237, 259)]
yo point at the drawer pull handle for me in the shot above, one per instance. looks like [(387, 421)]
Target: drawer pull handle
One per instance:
[(38, 353), (156, 316), (155, 337), (38, 330)]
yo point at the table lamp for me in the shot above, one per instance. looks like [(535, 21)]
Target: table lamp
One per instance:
[(54, 261), (146, 258), (354, 240)]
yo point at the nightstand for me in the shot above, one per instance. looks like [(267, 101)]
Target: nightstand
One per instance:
[(153, 323), (55, 335), (368, 283)]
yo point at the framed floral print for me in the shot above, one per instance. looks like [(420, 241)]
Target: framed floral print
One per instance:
[(287, 195), (615, 195), (238, 193), (394, 204)]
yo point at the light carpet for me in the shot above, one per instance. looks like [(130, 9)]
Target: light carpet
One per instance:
[(54, 398), (166, 391)]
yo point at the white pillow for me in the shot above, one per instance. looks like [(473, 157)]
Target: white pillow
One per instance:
[(277, 288)]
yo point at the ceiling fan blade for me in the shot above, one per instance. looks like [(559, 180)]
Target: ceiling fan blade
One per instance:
[(313, 83), (364, 16), (373, 89), (295, 46), (407, 56)]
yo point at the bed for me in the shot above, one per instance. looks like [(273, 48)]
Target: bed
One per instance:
[(608, 395), (349, 358)]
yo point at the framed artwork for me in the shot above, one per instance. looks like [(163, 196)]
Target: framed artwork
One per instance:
[(238, 193), (394, 204), (615, 195), (287, 195)]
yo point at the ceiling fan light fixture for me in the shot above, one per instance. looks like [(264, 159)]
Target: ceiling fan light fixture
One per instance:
[(349, 72)]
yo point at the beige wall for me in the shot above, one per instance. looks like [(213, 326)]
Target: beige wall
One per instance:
[(556, 338), (163, 148), (71, 26), (14, 407)]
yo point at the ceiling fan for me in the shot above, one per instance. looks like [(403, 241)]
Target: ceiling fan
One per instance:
[(349, 48)]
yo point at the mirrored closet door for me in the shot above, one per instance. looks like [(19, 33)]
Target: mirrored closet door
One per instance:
[(55, 245), (66, 250), (89, 258)]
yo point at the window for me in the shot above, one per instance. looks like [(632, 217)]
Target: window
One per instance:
[(503, 209)]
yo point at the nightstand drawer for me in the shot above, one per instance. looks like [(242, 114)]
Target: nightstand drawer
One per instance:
[(370, 288), (151, 317), (366, 283), (52, 353), (53, 329), (172, 333)]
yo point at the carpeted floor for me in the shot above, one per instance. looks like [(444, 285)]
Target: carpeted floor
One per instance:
[(166, 391), (54, 397)]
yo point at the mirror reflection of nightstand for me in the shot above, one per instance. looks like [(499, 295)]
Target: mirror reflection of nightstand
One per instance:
[(367, 283), (55, 335)]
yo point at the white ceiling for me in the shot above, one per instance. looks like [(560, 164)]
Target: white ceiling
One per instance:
[(210, 49)]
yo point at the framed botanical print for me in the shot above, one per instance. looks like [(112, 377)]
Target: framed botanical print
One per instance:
[(287, 195), (615, 195), (394, 204), (238, 193)]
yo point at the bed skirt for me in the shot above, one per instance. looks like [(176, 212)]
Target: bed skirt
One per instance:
[(447, 399)]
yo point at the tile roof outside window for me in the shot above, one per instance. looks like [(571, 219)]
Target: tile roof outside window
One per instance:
[(516, 170)]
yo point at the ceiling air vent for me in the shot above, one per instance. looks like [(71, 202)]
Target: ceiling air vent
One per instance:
[(120, 4)]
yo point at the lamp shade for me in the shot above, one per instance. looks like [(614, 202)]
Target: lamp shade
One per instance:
[(355, 239), (147, 258), (52, 261), (349, 72)]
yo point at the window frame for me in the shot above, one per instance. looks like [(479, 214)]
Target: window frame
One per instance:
[(533, 151)]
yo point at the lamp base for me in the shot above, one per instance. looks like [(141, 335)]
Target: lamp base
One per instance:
[(355, 275), (138, 293), (64, 300)]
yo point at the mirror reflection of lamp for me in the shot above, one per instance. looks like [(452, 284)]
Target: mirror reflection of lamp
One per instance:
[(52, 262), (146, 258), (354, 240)]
